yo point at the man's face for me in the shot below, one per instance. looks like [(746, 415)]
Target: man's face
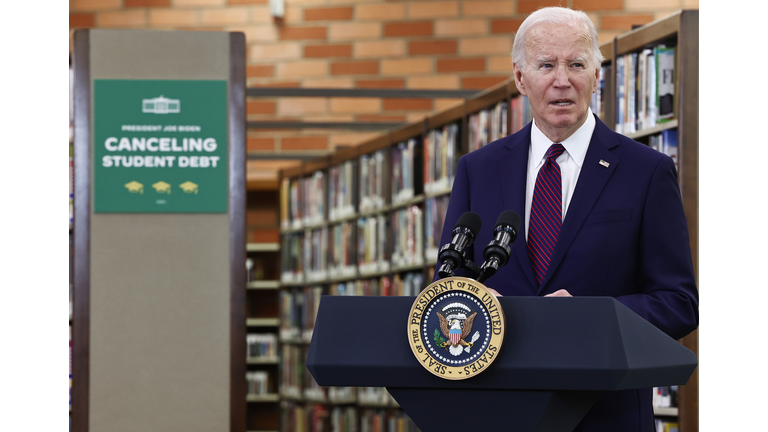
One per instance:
[(559, 78)]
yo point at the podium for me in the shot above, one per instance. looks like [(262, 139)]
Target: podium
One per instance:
[(559, 355)]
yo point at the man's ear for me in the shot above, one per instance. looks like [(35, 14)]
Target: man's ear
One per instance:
[(597, 80), (519, 79)]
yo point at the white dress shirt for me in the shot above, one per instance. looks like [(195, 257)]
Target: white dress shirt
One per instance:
[(570, 161)]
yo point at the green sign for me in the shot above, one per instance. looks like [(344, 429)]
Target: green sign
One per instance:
[(160, 146)]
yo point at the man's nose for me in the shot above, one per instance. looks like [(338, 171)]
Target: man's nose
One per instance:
[(562, 77)]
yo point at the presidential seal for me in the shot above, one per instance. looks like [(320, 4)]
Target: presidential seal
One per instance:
[(456, 328)]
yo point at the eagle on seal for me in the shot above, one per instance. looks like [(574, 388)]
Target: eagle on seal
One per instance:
[(456, 331)]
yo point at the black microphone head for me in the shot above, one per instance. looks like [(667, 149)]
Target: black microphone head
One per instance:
[(470, 221), (509, 218)]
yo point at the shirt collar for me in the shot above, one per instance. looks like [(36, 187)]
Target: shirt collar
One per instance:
[(576, 144)]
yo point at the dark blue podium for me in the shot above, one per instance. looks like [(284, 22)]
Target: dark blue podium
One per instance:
[(558, 356)]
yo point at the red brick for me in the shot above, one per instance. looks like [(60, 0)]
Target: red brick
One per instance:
[(623, 22), (595, 5), (528, 6), (260, 71), (320, 14), (495, 7), (267, 235), (147, 3), (379, 118), (461, 65), (328, 51), (380, 12), (297, 33), (379, 49), (355, 68), (407, 104), (483, 82), (354, 30), (505, 25), (417, 28), (81, 20), (260, 144), (380, 83), (432, 47), (433, 9), (260, 108), (304, 143)]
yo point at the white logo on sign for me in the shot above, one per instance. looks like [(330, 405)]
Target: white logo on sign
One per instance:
[(160, 105)]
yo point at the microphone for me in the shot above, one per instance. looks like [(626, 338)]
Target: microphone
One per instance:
[(452, 255), (497, 252)]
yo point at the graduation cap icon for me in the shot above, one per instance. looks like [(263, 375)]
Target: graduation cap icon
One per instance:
[(135, 187), (162, 187), (189, 187)]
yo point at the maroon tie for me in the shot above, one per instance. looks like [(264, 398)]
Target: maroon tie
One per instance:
[(546, 213)]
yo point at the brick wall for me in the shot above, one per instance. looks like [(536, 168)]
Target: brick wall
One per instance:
[(360, 44)]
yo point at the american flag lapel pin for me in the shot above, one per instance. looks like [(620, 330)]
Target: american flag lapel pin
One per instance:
[(604, 163)]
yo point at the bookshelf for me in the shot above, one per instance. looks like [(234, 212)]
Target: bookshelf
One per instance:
[(681, 32), (262, 319), (366, 220)]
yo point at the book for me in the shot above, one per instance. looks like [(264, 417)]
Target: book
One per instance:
[(665, 91), (403, 171), (669, 145), (441, 147), (340, 203)]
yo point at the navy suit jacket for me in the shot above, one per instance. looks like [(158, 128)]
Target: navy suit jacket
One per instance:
[(624, 235)]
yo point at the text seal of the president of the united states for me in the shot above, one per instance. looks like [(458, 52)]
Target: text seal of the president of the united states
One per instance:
[(456, 328)]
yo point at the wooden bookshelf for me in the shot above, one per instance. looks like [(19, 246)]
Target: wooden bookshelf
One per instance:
[(262, 293), (679, 30)]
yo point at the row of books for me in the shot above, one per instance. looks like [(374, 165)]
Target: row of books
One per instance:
[(377, 420), (298, 311), (410, 284), (319, 254), (597, 104), (293, 371), (373, 175), (441, 155), (521, 112), (666, 426), (645, 88), (435, 209), (261, 345), (403, 171), (300, 418), (488, 125), (665, 397), (299, 306), (302, 201), (665, 142), (407, 228), (340, 196), (317, 418), (372, 244), (257, 382)]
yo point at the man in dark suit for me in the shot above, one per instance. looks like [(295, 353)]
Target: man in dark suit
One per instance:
[(603, 213)]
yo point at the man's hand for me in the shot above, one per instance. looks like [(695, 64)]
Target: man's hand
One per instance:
[(494, 292), (559, 293)]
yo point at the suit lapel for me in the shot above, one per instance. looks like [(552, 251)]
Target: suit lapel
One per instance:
[(513, 169), (592, 180)]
